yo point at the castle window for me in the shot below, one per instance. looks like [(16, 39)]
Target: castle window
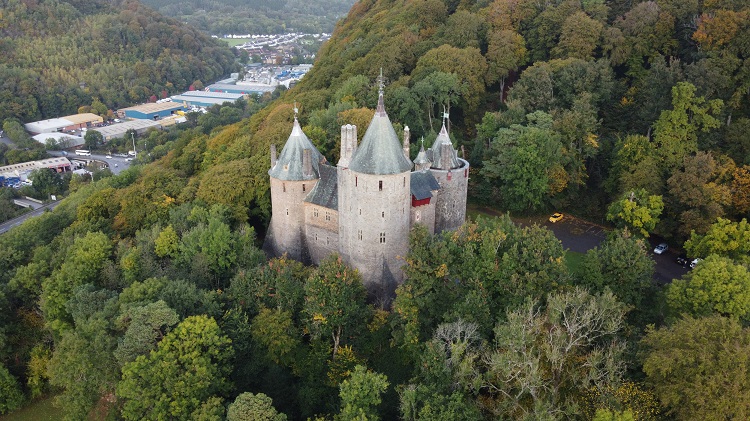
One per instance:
[(286, 167), (356, 181), (287, 211), (418, 216), (328, 216), (283, 187), (382, 238), (303, 187), (360, 211), (328, 240), (404, 181), (380, 185), (315, 212), (359, 234), (316, 237), (382, 214)]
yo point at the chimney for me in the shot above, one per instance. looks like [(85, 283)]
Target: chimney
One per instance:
[(273, 155), (407, 134), (446, 156), (348, 144), (306, 164)]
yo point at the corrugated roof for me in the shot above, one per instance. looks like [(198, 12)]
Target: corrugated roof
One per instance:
[(422, 184), (84, 118), (154, 107), (289, 164), (326, 191), (380, 151), (443, 141)]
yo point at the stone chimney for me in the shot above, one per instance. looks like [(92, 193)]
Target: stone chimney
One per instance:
[(348, 144), (273, 155), (306, 164), (407, 135)]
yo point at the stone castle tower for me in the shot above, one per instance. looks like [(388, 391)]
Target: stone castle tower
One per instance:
[(364, 207)]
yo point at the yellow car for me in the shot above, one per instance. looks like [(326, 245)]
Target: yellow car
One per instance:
[(555, 217)]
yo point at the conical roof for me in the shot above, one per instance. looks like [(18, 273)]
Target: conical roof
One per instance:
[(421, 159), (289, 165), (380, 151), (443, 154)]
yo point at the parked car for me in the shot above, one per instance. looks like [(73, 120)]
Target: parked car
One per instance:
[(683, 260), (108, 156), (694, 263), (661, 248), (557, 216)]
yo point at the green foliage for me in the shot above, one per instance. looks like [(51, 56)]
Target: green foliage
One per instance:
[(188, 367), (698, 368), (716, 286), (360, 395), (723, 238), (253, 407), (607, 415), (637, 211), (11, 397), (145, 328)]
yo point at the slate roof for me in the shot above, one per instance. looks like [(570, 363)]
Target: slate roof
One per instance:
[(380, 151), (422, 184), (422, 157), (435, 155), (326, 191), (289, 164)]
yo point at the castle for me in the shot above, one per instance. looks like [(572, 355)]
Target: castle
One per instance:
[(364, 207)]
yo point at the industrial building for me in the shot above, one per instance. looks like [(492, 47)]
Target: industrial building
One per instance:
[(62, 140), (241, 89), (152, 111), (11, 175), (63, 124), (118, 130), (206, 99)]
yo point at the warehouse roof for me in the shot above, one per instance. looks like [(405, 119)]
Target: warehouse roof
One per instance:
[(154, 107)]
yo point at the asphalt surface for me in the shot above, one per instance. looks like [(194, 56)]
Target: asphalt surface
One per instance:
[(116, 164), (581, 236), (7, 225)]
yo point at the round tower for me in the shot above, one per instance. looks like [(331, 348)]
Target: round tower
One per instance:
[(452, 173), (293, 176), (374, 199)]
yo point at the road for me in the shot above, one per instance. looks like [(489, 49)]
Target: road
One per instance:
[(7, 225), (116, 164), (581, 236), (7, 141)]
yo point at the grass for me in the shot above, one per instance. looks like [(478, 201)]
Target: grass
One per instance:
[(574, 262), (39, 410), (233, 42)]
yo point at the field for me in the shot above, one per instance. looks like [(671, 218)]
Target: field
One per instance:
[(233, 42)]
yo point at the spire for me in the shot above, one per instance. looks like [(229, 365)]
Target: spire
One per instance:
[(290, 164), (421, 162), (380, 151), (380, 111), (443, 155)]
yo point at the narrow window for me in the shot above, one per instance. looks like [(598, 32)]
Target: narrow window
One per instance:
[(328, 216), (382, 214), (316, 238), (303, 187), (283, 187), (356, 181), (404, 181), (360, 211), (287, 211), (315, 212), (380, 185), (359, 235), (382, 238)]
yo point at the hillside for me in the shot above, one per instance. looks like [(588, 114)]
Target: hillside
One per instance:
[(59, 55), (636, 114), (219, 17)]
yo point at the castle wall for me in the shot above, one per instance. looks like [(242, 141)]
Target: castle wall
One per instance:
[(374, 233), (287, 233), (424, 215), (322, 231), (450, 206)]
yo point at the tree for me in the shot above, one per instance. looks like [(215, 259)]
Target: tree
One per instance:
[(506, 53), (11, 397), (622, 264), (253, 407), (579, 38), (636, 210), (335, 302), (360, 395), (146, 326), (47, 182), (723, 238), (676, 130), (716, 286), (167, 244), (189, 366), (698, 368), (93, 139), (521, 163), (543, 360)]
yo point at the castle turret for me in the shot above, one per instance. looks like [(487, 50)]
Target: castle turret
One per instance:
[(293, 176), (452, 173), (374, 200), (421, 162)]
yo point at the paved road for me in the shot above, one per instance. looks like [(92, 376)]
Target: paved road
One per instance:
[(27, 203), (7, 225), (7, 141), (581, 236), (116, 164)]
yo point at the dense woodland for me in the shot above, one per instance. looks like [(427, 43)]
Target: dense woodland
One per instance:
[(145, 295), (59, 55), (220, 17)]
